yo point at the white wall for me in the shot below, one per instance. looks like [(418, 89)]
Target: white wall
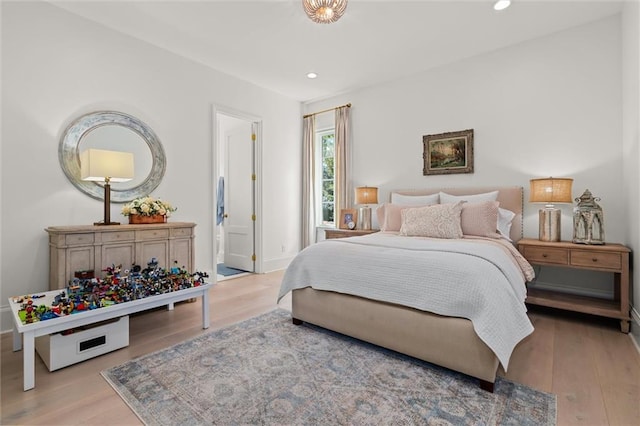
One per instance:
[(547, 107), (631, 141), (57, 66)]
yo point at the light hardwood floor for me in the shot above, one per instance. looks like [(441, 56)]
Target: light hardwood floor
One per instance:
[(591, 366)]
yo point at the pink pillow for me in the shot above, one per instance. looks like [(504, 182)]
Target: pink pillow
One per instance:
[(438, 221), (391, 219), (480, 219)]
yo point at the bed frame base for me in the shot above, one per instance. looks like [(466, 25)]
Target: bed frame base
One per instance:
[(445, 341)]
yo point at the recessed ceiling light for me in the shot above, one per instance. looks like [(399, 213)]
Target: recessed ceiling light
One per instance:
[(502, 4), (312, 75)]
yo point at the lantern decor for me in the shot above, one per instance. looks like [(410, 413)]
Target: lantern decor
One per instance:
[(588, 224)]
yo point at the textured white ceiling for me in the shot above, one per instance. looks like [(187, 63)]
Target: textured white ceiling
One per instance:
[(273, 44)]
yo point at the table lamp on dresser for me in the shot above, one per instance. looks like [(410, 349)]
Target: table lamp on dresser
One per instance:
[(99, 165), (365, 195), (550, 191)]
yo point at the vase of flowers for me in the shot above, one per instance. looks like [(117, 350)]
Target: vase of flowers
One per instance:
[(148, 210)]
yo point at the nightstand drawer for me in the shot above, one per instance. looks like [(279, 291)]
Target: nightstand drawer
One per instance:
[(595, 259), (556, 256)]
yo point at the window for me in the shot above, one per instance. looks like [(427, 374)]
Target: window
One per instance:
[(325, 176)]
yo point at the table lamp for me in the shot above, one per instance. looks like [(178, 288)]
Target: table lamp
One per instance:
[(549, 191), (365, 195), (106, 166)]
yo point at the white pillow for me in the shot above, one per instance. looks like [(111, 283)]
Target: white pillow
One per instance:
[(437, 221), (505, 218), (414, 200), (475, 198)]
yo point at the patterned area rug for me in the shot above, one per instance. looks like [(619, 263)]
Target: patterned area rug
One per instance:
[(268, 371)]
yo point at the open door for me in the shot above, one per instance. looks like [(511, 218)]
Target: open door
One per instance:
[(239, 195)]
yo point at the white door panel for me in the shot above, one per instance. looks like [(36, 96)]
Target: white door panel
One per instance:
[(238, 222)]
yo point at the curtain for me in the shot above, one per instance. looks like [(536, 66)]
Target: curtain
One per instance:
[(342, 199), (308, 181)]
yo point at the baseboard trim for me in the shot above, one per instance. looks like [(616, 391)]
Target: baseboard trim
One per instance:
[(277, 264), (581, 291), (6, 319)]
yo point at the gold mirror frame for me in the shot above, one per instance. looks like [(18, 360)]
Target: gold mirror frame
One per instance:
[(69, 156)]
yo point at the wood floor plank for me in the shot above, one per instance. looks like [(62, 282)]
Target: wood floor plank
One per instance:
[(618, 371), (590, 366), (532, 360), (575, 377)]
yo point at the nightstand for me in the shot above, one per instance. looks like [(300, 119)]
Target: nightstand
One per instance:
[(612, 258), (344, 233)]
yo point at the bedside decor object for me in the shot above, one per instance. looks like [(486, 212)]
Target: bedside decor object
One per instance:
[(448, 153), (148, 210), (99, 165), (588, 221), (366, 195), (550, 191), (324, 11), (347, 216)]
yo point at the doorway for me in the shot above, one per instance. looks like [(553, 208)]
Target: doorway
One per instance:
[(237, 194)]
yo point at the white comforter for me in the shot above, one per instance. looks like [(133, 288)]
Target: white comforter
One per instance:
[(480, 279)]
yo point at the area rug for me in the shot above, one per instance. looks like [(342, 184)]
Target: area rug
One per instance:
[(227, 271), (267, 371)]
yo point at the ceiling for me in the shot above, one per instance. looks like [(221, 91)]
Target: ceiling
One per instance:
[(272, 43)]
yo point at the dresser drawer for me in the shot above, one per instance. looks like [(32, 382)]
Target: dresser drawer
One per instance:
[(181, 232), (596, 259), (153, 234), (79, 239), (109, 237), (556, 256)]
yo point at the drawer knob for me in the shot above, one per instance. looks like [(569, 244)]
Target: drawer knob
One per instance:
[(544, 254), (595, 259)]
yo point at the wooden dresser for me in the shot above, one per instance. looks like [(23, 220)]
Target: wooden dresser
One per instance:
[(89, 247)]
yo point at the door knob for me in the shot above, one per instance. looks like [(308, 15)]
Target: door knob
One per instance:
[(226, 215)]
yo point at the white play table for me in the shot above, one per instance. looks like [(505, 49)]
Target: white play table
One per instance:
[(29, 332)]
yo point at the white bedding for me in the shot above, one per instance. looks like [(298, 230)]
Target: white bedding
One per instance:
[(480, 279)]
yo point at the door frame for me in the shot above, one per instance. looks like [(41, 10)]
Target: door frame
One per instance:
[(257, 165)]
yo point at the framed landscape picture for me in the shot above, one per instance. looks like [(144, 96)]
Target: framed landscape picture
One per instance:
[(448, 153)]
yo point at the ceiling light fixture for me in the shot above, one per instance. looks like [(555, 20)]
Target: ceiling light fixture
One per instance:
[(312, 75), (502, 4), (324, 11)]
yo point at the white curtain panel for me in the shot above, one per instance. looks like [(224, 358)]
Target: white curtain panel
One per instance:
[(342, 194), (308, 178)]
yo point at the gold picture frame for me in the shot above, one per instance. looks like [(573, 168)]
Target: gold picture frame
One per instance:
[(346, 216), (448, 153)]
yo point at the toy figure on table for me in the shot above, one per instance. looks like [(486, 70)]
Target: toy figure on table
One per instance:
[(84, 294)]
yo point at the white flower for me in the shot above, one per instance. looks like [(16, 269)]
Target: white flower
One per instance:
[(148, 206)]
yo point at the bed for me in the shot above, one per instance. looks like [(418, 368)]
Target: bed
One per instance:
[(468, 320)]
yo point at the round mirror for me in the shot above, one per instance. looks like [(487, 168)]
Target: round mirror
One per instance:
[(114, 131)]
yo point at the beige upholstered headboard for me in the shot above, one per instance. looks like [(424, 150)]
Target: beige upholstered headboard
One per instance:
[(510, 198)]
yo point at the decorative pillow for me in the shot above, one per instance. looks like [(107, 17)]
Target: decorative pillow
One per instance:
[(480, 219), (475, 198), (380, 213), (392, 217), (505, 218), (415, 200), (437, 221)]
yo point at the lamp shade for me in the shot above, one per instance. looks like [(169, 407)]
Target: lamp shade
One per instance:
[(99, 164), (550, 190), (366, 195)]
